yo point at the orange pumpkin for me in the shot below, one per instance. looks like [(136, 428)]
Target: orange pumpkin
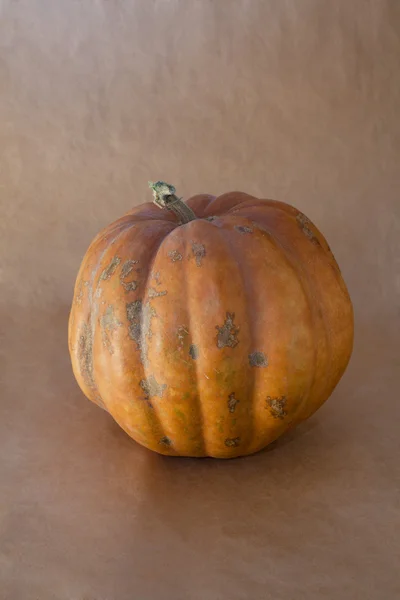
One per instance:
[(209, 328)]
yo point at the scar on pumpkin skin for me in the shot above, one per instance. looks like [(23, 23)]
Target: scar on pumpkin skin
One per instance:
[(277, 406), (182, 333), (110, 270), (165, 441), (175, 255), (243, 229), (127, 268), (194, 351), (227, 333), (304, 224), (108, 323), (155, 294), (134, 316), (199, 252), (258, 359), (156, 276), (232, 402), (85, 354), (151, 387), (79, 295), (139, 318), (232, 442)]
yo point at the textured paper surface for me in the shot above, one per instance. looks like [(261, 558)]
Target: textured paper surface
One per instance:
[(296, 100)]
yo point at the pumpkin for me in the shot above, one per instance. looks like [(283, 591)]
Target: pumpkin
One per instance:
[(211, 327)]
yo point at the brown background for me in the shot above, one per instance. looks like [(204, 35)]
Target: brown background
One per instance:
[(296, 100)]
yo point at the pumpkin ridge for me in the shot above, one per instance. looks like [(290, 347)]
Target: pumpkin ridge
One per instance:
[(119, 224), (213, 207), (245, 204), (304, 282), (298, 274), (144, 362), (194, 341), (260, 229), (306, 287), (141, 388), (91, 321), (250, 390)]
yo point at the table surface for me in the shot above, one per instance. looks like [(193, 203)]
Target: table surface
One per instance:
[(297, 101)]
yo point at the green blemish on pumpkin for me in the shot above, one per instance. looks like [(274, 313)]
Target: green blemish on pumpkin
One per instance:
[(219, 377), (220, 424), (181, 415), (226, 377)]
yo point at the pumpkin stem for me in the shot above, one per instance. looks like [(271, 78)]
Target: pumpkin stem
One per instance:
[(164, 197)]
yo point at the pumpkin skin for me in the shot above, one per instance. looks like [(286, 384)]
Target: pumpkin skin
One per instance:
[(214, 337)]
